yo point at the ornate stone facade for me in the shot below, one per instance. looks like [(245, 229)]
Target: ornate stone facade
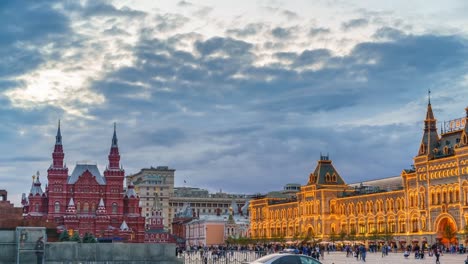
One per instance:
[(427, 203), (85, 201)]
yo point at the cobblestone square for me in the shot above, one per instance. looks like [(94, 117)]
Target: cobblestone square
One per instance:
[(392, 258)]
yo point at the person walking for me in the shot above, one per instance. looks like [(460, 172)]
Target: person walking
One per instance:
[(39, 250), (437, 255), (363, 252)]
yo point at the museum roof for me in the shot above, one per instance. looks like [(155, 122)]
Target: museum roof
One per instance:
[(81, 168)]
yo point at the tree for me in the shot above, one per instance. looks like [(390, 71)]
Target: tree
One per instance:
[(342, 235), (89, 238), (75, 237), (374, 235), (449, 234), (387, 235), (64, 236)]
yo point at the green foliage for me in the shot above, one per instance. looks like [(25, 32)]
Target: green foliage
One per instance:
[(387, 235), (352, 235), (449, 233), (75, 237), (89, 238), (64, 236), (374, 235), (342, 235)]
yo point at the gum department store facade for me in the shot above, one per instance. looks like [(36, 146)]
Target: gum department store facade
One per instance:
[(418, 206)]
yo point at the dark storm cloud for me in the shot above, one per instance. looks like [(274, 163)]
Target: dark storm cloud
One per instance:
[(169, 22), (286, 55), (282, 33), (290, 15), (9, 160), (226, 45), (22, 38), (354, 23), (388, 33), (314, 32), (248, 30), (167, 137), (203, 12), (308, 57), (184, 3), (102, 8), (114, 30)]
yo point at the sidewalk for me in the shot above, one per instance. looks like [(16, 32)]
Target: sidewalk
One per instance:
[(392, 258)]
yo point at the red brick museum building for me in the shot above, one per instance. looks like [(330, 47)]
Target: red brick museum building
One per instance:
[(87, 201)]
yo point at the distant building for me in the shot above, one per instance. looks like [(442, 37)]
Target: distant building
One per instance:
[(154, 185), (202, 202), (86, 201), (212, 230), (11, 216)]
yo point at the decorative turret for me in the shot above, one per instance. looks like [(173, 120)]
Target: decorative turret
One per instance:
[(124, 226), (464, 135), (101, 210), (156, 220), (71, 209), (131, 201), (114, 156), (325, 173), (430, 139), (130, 193), (36, 188)]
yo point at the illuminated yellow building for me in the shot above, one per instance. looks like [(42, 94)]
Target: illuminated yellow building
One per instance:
[(428, 203)]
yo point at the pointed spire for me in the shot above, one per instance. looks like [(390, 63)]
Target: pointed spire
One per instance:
[(71, 202), (430, 137), (124, 226), (114, 156), (429, 114), (101, 203), (58, 138), (114, 137), (429, 96)]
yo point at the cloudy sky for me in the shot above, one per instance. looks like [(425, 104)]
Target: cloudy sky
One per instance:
[(239, 95)]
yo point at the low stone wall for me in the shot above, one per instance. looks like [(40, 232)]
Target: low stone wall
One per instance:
[(89, 253), (97, 253), (7, 247)]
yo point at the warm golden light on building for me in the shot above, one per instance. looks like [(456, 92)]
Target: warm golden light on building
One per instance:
[(425, 204)]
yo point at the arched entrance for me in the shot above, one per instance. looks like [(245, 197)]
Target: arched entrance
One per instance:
[(446, 229)]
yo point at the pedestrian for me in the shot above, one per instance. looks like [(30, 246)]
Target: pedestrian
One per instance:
[(466, 260), (437, 255), (39, 248), (363, 252)]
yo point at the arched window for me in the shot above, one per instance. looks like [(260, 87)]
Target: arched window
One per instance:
[(85, 208), (78, 207), (114, 208), (93, 207), (36, 207), (57, 207)]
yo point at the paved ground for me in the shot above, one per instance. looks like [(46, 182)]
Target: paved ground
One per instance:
[(392, 258), (335, 258)]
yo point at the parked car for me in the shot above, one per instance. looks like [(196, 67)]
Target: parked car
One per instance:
[(285, 258)]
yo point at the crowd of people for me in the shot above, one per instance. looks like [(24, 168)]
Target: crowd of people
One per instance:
[(317, 251)]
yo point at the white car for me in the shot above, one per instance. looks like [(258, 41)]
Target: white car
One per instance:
[(285, 258)]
